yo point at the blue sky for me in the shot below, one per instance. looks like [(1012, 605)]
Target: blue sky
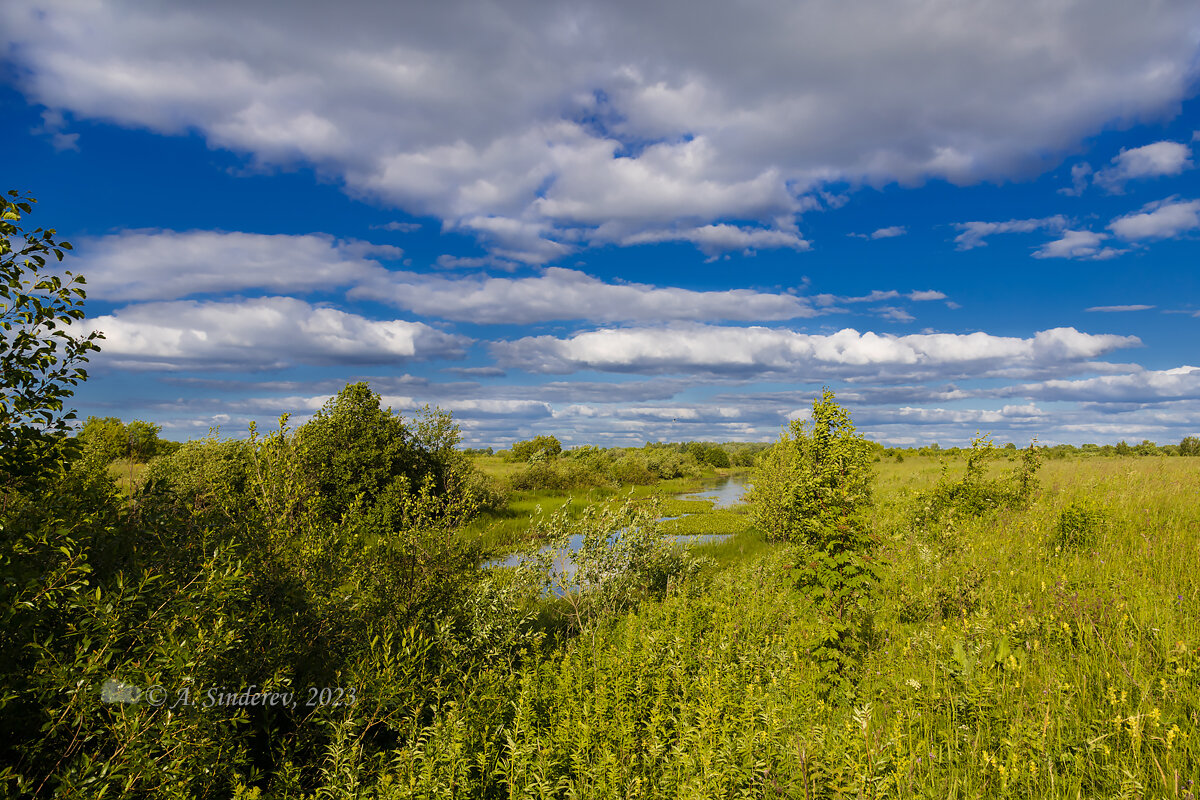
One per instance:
[(618, 224)]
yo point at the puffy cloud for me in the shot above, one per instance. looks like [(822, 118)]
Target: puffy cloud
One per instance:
[(1150, 161), (1078, 244), (1165, 219), (756, 350), (894, 313), (974, 234), (262, 333), (563, 294), (534, 129), (162, 265), (882, 233)]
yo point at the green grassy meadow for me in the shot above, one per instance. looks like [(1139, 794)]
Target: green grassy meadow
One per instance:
[(1000, 665)]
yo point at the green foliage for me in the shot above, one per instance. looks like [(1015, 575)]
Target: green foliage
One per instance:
[(707, 453), (40, 356), (975, 494), (1079, 525), (561, 474), (591, 467), (812, 489), (104, 437), (1189, 446), (619, 554), (523, 451), (816, 478), (143, 441), (110, 439)]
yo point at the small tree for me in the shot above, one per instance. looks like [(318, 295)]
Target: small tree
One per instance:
[(1189, 446), (40, 356), (141, 440), (812, 489), (523, 451), (816, 477)]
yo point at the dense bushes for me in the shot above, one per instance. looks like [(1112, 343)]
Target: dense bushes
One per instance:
[(976, 493), (320, 557), (549, 446)]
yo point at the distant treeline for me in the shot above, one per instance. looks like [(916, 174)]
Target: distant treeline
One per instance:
[(112, 439), (1189, 446)]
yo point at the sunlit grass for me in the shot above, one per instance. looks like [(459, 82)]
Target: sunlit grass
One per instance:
[(1001, 664), (127, 474)]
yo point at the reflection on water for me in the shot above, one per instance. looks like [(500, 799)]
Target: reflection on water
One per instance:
[(729, 492)]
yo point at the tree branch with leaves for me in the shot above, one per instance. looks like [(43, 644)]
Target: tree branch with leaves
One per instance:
[(41, 350)]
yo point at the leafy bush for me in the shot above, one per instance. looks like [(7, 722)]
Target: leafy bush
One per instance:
[(622, 557), (40, 358), (814, 479), (975, 494), (561, 474), (523, 451), (633, 470)]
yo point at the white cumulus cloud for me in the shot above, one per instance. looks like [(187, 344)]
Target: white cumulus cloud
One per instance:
[(1165, 219), (163, 264), (1078, 244), (261, 333), (1151, 161), (974, 234), (750, 350), (564, 294)]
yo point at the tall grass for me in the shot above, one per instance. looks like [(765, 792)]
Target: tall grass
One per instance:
[(1000, 664)]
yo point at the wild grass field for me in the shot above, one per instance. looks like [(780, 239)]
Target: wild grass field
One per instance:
[(1004, 662)]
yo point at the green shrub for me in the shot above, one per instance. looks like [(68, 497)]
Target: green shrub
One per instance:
[(812, 489), (633, 470), (1079, 525), (523, 451), (622, 558), (561, 474), (975, 494)]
